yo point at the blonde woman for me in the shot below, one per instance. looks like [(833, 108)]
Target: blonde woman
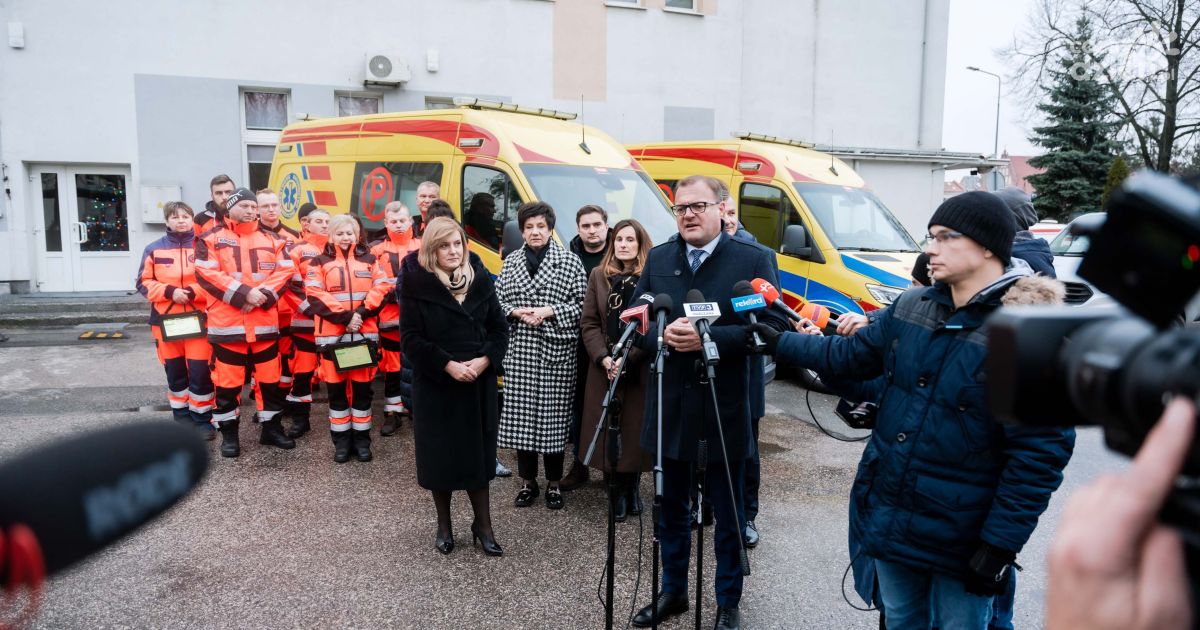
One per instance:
[(454, 333)]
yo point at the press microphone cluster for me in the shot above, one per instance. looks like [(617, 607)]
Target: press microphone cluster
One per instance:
[(815, 313), (636, 319), (81, 494), (702, 314), (746, 300)]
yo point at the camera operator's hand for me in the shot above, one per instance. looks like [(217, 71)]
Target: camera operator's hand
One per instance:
[(988, 570), (1112, 565), (850, 323), (769, 335)]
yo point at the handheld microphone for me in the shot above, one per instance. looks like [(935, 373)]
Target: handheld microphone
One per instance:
[(702, 314), (636, 319), (745, 300), (771, 295), (818, 315), (80, 494)]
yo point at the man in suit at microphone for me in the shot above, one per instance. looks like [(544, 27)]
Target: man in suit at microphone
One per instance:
[(702, 257)]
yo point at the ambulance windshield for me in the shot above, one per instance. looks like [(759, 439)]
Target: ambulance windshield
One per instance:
[(622, 192), (854, 219)]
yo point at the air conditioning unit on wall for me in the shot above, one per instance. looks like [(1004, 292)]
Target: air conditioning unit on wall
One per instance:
[(386, 70)]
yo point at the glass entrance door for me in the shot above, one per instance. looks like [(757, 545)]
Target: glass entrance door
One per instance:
[(82, 229)]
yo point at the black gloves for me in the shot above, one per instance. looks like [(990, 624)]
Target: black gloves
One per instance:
[(769, 335), (989, 569)]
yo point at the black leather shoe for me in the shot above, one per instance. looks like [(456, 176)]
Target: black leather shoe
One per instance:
[(272, 435), (391, 423), (634, 500), (728, 619), (577, 476), (341, 446), (525, 497), (444, 544), (299, 427), (620, 508), (229, 439), (668, 604), (487, 541), (750, 536), (554, 498), (362, 445)]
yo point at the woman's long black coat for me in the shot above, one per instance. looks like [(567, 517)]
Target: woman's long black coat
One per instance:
[(454, 424)]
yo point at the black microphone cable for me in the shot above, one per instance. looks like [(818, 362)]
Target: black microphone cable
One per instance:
[(808, 403)]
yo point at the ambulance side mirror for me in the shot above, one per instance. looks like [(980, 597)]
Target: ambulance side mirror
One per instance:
[(796, 244), (512, 239)]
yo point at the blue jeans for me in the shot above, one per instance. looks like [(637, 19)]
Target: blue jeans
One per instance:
[(1002, 605), (910, 596)]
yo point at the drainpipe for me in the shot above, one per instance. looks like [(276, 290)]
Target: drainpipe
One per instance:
[(924, 64)]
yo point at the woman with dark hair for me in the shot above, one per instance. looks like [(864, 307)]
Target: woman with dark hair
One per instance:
[(452, 327), (610, 291), (541, 290)]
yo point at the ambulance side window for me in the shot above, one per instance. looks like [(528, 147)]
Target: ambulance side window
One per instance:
[(489, 199), (766, 211)]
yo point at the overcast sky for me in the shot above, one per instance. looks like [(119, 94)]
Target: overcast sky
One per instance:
[(977, 29)]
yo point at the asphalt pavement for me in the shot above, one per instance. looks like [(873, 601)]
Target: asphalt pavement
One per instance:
[(289, 539)]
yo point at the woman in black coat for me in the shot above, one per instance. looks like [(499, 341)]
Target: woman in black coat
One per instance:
[(452, 329)]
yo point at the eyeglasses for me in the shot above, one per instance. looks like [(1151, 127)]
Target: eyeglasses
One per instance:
[(944, 237), (697, 208)]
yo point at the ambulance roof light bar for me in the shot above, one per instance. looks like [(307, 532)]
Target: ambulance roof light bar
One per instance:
[(744, 135), (478, 103)]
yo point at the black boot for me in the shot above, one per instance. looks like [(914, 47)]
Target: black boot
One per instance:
[(341, 446), (299, 413), (620, 506), (362, 445), (391, 423), (229, 439), (633, 496), (272, 435), (576, 477)]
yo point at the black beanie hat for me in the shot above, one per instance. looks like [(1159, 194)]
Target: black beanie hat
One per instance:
[(241, 194), (982, 216), (920, 270)]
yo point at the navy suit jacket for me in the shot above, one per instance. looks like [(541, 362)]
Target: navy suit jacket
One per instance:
[(687, 405)]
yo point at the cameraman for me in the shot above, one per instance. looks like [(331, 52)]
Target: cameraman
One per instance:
[(1112, 564), (945, 497)]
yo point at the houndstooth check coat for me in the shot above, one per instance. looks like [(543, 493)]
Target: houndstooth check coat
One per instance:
[(540, 365)]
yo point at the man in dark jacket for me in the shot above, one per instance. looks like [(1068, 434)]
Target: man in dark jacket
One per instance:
[(704, 258), (1032, 249), (945, 497)]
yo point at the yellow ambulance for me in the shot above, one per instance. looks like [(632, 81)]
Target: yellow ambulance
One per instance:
[(487, 157), (855, 256)]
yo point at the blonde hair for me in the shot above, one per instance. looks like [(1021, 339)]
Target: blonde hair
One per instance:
[(439, 231), (344, 219), (396, 206)]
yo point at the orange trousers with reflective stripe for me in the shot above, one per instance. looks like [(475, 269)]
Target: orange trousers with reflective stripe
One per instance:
[(231, 363), (189, 379)]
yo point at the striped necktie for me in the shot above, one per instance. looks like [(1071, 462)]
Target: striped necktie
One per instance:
[(697, 258)]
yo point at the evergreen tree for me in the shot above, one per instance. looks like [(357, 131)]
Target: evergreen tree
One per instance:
[(1116, 174), (1077, 137)]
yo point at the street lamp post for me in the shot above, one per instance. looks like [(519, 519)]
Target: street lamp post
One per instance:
[(996, 138)]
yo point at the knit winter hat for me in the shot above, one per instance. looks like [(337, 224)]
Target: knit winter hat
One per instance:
[(241, 194), (982, 216)]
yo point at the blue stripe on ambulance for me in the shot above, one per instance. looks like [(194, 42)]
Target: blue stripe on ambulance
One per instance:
[(812, 291), (874, 273)]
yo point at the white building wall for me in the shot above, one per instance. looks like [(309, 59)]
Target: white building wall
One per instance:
[(846, 72)]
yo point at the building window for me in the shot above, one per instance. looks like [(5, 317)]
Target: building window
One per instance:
[(258, 165), (357, 104), (685, 5), (265, 110), (439, 102), (624, 3)]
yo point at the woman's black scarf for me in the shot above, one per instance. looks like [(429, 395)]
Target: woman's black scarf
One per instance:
[(534, 258)]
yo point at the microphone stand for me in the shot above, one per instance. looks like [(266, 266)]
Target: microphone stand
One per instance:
[(656, 510), (709, 377), (610, 419)]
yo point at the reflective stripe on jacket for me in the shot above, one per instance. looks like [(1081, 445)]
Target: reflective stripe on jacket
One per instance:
[(230, 261), (338, 286)]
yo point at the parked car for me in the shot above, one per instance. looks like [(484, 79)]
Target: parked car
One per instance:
[(1068, 249), (1047, 229)]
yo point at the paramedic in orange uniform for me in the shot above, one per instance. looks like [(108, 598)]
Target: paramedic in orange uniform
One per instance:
[(345, 293), (303, 361), (269, 210), (243, 269), (398, 243), (168, 280)]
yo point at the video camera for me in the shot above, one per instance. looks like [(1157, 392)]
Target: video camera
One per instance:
[(1114, 367)]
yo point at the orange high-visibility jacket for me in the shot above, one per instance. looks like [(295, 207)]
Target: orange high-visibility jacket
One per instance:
[(339, 286), (290, 238), (389, 252), (231, 260), (169, 265), (302, 255)]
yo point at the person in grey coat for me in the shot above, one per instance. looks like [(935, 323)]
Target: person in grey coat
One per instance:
[(541, 288)]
